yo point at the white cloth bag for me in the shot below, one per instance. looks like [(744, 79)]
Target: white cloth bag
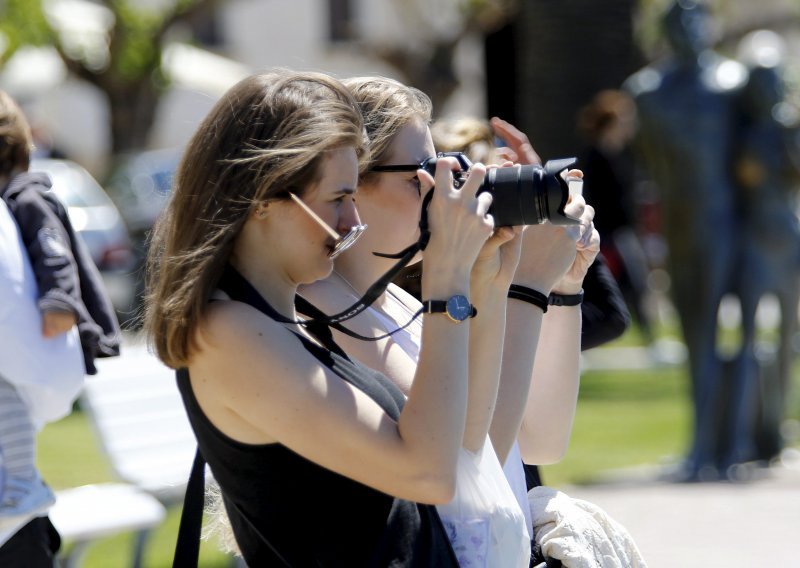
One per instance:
[(484, 521)]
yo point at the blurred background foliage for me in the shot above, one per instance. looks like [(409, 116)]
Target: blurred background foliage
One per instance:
[(122, 57), (538, 54)]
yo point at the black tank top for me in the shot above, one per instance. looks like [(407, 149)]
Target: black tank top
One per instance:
[(288, 511)]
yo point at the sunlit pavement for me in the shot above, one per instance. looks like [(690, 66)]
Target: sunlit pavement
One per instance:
[(749, 523), (752, 523)]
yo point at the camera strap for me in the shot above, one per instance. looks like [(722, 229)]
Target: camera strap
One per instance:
[(232, 280)]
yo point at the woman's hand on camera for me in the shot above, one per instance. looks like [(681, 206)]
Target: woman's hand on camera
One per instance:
[(587, 249), (549, 252), (459, 223), (497, 261)]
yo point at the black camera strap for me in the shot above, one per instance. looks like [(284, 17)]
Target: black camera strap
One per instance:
[(232, 280)]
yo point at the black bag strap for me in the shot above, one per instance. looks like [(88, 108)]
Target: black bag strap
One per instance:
[(187, 547)]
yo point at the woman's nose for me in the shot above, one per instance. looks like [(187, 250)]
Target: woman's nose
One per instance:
[(349, 217)]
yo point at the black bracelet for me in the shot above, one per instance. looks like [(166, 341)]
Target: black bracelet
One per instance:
[(517, 292), (565, 299)]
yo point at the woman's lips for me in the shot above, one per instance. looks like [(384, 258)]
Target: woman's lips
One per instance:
[(330, 245)]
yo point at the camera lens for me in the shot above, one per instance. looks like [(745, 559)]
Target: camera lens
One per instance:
[(529, 195), (522, 195)]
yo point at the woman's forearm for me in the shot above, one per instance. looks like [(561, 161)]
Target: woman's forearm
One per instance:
[(523, 323), (552, 398), (485, 356)]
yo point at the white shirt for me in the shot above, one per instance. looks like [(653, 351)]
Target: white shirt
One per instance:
[(48, 373), (500, 499)]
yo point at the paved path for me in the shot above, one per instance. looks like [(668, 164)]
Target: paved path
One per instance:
[(708, 525), (686, 525)]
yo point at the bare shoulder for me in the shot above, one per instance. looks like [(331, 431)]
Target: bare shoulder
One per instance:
[(227, 323), (241, 355), (257, 382)]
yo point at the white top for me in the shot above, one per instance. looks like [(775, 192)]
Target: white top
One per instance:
[(409, 338), (515, 474), (48, 373), (486, 521)]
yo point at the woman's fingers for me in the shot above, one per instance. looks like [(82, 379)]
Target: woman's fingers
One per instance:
[(517, 141), (459, 217), (506, 153), (475, 178), (426, 181), (444, 173)]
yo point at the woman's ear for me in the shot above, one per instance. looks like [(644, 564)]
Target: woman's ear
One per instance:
[(260, 211)]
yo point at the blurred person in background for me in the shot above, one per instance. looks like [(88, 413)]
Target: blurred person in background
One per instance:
[(71, 289), (607, 126), (686, 139), (41, 370), (768, 176)]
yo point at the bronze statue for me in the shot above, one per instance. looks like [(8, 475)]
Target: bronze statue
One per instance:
[(768, 178), (686, 137)]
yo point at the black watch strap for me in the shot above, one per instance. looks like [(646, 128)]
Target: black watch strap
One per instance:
[(565, 299), (434, 307), (464, 309)]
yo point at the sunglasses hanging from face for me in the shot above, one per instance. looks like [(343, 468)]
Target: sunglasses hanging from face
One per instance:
[(341, 242)]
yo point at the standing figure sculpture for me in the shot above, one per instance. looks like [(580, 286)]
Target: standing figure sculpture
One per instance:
[(686, 111), (768, 177)]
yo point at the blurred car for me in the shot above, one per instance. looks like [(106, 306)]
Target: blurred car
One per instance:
[(96, 218), (140, 185)]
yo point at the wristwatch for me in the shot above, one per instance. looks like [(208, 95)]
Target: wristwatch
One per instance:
[(456, 307)]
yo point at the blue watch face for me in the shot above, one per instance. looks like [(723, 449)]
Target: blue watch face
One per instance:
[(459, 308)]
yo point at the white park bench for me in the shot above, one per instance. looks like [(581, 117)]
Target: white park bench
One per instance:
[(82, 515), (137, 415)]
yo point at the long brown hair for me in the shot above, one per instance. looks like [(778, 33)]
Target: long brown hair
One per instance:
[(265, 137)]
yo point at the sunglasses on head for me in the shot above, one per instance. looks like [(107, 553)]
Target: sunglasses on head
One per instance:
[(342, 242)]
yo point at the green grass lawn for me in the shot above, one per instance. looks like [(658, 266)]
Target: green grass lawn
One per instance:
[(624, 418)]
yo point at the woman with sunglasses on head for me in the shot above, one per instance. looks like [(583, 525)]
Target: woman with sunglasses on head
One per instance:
[(283, 417), (390, 201)]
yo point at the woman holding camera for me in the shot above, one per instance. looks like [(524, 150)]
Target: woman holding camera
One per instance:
[(389, 201), (284, 418)]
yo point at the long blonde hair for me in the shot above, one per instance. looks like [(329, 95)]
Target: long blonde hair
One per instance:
[(267, 136), (387, 106)]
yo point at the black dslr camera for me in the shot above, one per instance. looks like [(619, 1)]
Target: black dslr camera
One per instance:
[(522, 195)]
